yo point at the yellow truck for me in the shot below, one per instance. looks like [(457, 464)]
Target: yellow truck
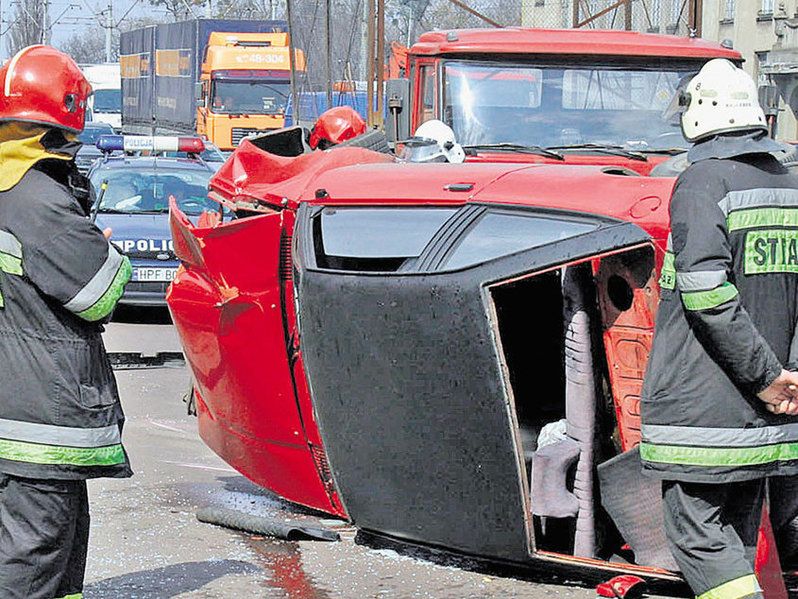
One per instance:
[(218, 78)]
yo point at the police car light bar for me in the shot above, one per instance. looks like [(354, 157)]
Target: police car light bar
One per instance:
[(157, 143)]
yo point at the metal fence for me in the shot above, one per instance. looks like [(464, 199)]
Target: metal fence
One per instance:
[(405, 20), (678, 17)]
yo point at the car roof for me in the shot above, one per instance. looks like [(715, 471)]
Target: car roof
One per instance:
[(144, 162)]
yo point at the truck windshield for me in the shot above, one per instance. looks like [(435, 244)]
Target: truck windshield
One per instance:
[(146, 190), (250, 97), (107, 100), (561, 106)]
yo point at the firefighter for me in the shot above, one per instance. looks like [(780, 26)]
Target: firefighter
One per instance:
[(60, 278), (335, 126), (718, 404)]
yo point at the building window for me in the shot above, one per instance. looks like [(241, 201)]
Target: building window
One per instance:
[(728, 15), (766, 7), (761, 59)]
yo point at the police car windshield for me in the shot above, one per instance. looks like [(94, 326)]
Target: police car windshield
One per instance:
[(147, 190)]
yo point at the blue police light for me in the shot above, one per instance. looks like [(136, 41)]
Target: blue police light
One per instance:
[(110, 143), (157, 143)]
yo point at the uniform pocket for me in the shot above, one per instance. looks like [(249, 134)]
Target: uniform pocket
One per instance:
[(89, 384), (93, 399), (97, 388)]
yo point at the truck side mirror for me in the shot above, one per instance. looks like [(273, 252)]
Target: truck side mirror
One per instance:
[(198, 95), (398, 126)]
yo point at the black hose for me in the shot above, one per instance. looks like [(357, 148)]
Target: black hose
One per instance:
[(263, 525)]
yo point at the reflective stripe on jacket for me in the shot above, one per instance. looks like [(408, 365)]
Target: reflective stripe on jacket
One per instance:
[(60, 415), (726, 325)]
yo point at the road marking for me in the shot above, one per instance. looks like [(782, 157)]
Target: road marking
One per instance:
[(199, 466), (166, 426)]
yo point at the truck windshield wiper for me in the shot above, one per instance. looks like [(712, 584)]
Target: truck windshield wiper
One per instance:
[(520, 148), (112, 211), (603, 148), (671, 151)]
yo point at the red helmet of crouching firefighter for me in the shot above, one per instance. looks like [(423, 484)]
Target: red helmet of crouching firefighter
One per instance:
[(44, 86), (335, 126)]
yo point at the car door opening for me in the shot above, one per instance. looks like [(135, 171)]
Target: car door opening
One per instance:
[(552, 328)]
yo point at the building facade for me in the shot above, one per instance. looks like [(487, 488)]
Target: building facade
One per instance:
[(754, 27)]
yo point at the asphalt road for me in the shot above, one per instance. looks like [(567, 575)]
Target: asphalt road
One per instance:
[(146, 541)]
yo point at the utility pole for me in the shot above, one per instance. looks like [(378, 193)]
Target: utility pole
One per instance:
[(364, 41), (45, 23), (376, 62), (109, 28), (370, 61), (695, 10), (328, 49), (379, 61), (292, 62)]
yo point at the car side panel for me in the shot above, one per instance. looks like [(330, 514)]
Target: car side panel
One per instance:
[(230, 317)]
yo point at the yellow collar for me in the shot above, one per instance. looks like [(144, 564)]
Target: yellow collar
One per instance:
[(20, 149)]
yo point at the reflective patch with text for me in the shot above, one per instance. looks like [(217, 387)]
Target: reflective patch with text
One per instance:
[(771, 251)]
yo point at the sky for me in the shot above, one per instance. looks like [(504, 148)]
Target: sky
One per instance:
[(70, 16)]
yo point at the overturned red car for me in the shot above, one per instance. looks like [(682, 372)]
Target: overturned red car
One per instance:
[(432, 324), (448, 355)]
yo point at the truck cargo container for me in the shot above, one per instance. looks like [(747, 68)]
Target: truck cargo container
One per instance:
[(219, 78)]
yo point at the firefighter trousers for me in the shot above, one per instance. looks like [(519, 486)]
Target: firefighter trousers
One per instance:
[(44, 537), (712, 533)]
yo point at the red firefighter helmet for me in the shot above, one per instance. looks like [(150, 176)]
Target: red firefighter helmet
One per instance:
[(43, 85), (335, 126)]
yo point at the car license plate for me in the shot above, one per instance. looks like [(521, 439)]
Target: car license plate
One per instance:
[(154, 274)]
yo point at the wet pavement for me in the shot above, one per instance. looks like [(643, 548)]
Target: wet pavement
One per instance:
[(147, 543)]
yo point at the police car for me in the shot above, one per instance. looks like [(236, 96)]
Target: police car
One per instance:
[(133, 194)]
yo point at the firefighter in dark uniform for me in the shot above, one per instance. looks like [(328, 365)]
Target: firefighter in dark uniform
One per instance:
[(60, 278), (718, 405)]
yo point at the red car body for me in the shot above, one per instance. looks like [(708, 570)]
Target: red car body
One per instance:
[(232, 302), (268, 402)]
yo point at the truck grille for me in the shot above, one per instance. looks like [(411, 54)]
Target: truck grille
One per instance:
[(240, 133)]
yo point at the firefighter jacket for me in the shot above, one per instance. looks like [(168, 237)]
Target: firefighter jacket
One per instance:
[(60, 416), (726, 322)]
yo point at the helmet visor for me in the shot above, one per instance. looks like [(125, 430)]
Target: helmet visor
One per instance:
[(420, 149), (680, 100)]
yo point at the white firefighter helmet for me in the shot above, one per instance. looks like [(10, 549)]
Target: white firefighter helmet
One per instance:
[(433, 141), (719, 99)]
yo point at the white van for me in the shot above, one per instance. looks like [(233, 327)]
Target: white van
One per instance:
[(106, 103)]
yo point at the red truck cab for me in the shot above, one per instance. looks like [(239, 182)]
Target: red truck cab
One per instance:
[(586, 96)]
